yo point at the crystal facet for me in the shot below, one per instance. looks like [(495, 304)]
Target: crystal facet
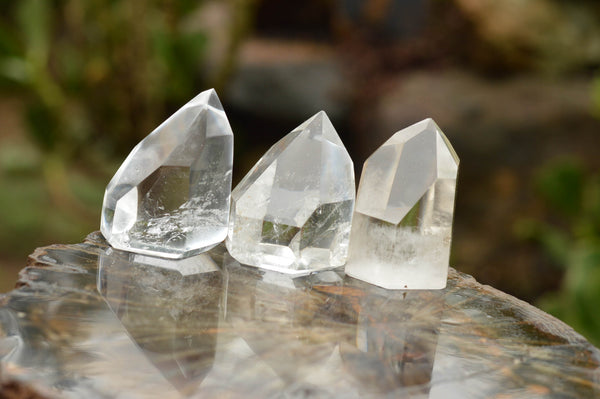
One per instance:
[(292, 212), (170, 198), (402, 224)]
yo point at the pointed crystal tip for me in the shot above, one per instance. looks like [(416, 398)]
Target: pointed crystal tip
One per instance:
[(170, 197), (402, 224), (206, 98), (320, 127), (292, 211)]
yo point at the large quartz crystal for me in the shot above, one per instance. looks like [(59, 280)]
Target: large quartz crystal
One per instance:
[(402, 223), (292, 212), (170, 198)]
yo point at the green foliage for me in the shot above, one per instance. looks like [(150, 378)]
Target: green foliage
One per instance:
[(562, 187), (91, 78), (572, 240), (99, 72)]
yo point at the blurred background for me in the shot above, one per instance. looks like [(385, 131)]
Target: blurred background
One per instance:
[(514, 84)]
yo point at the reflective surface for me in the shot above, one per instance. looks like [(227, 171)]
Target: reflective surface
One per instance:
[(90, 321)]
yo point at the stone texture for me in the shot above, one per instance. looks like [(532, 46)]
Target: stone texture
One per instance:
[(402, 225), (292, 212), (234, 334), (170, 197)]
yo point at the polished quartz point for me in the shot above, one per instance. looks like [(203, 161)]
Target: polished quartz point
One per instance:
[(292, 212), (170, 198), (402, 224)]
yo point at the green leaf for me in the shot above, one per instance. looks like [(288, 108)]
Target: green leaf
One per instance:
[(43, 125), (561, 185), (14, 69), (34, 19)]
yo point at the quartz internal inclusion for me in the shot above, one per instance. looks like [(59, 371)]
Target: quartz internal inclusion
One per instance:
[(402, 225), (292, 212), (170, 197)]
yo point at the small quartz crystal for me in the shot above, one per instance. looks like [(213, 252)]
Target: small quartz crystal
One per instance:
[(402, 224), (292, 212), (170, 197)]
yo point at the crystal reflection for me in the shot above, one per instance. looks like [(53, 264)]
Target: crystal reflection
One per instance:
[(11, 340), (326, 336), (396, 338), (291, 330), (169, 308), (322, 335)]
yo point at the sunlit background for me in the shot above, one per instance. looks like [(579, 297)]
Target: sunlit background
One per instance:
[(513, 83)]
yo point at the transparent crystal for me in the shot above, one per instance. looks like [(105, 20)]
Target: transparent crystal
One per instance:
[(292, 212), (402, 224), (170, 197)]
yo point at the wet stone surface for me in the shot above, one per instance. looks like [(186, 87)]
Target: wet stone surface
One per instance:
[(90, 321)]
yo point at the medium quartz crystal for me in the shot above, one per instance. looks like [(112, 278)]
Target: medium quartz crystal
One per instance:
[(170, 197), (402, 224), (292, 212)]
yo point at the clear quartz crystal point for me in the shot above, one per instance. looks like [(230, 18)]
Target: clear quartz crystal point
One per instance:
[(292, 212), (402, 224), (170, 198)]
